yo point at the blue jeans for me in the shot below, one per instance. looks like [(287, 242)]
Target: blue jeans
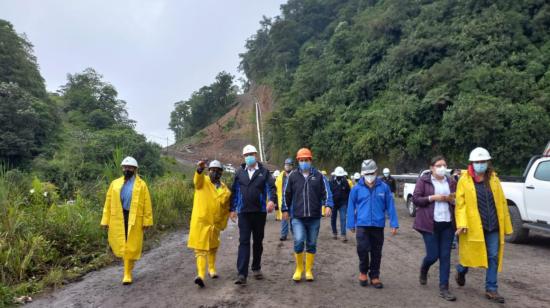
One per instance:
[(285, 225), (343, 210), (492, 245), (305, 231), (438, 247)]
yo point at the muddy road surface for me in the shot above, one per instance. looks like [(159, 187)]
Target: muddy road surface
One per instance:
[(164, 277)]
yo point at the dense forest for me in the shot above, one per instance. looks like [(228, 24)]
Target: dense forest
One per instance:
[(402, 80)]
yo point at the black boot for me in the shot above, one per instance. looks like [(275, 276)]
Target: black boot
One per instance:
[(446, 294), (460, 278), (423, 275)]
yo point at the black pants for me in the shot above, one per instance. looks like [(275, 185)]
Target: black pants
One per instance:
[(369, 249), (126, 214), (250, 224)]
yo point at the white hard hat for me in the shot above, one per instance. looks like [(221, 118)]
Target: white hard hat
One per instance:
[(368, 166), (129, 161), (386, 170), (339, 171), (357, 176), (479, 154), (276, 173), (215, 164), (249, 149)]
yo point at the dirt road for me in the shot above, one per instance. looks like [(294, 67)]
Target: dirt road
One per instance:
[(164, 277)]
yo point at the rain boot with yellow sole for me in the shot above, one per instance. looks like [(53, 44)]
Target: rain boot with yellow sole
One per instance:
[(128, 265), (310, 259), (201, 267), (299, 257), (212, 264)]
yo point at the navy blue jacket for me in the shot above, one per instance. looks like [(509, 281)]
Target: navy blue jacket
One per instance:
[(249, 195), (340, 191), (305, 197)]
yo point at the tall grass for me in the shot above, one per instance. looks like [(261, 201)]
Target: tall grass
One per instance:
[(45, 241)]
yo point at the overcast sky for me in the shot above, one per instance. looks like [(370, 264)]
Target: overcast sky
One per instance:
[(155, 52)]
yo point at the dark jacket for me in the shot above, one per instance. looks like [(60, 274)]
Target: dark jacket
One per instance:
[(424, 220), (340, 191), (251, 194), (390, 181), (305, 197)]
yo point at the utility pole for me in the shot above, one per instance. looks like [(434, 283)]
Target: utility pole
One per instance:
[(258, 120)]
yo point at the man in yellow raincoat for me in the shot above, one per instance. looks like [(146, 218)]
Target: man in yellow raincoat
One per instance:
[(209, 217), (127, 212), (482, 221)]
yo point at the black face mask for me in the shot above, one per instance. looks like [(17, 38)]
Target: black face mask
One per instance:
[(128, 174), (215, 176), (339, 178)]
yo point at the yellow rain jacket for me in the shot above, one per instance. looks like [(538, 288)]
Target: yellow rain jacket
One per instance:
[(210, 213), (472, 251), (141, 214), (279, 185)]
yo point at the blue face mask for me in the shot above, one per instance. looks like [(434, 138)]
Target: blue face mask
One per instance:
[(480, 167), (250, 160), (304, 165)]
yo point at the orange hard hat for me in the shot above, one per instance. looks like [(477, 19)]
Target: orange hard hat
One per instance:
[(304, 153)]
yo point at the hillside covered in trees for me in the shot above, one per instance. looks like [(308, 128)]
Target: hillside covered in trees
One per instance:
[(402, 80)]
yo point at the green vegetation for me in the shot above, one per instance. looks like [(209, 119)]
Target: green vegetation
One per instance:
[(58, 154), (204, 107), (403, 80)]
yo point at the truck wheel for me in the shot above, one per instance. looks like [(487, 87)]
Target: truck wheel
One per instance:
[(411, 207), (520, 234)]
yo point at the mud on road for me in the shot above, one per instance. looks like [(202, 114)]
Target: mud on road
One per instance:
[(164, 277)]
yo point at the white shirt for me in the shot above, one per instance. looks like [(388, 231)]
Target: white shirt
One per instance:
[(441, 209), (252, 170)]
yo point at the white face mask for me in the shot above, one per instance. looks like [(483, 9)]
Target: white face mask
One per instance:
[(386, 174), (441, 171), (370, 178)]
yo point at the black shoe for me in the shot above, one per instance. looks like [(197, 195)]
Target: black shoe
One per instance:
[(258, 275), (423, 276), (334, 237), (241, 280), (345, 239), (446, 295), (494, 297), (282, 238), (364, 283), (460, 278), (376, 283), (199, 282)]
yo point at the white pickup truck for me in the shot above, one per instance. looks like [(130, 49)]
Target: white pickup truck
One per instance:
[(528, 198)]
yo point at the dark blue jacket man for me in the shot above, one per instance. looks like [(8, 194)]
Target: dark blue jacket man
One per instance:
[(252, 187)]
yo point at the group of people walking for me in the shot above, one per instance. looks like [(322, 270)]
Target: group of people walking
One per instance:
[(474, 209)]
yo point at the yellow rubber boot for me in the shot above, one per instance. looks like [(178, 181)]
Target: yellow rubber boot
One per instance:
[(201, 267), (128, 265), (299, 257), (310, 259), (212, 264)]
